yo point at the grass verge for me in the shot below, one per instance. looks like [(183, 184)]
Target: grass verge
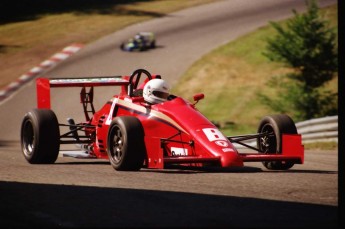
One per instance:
[(41, 28), (231, 76)]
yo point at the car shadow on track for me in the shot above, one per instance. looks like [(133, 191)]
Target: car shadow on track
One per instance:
[(245, 169), (146, 50), (179, 169), (46, 205)]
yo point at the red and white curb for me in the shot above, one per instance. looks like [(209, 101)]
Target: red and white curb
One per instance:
[(45, 65)]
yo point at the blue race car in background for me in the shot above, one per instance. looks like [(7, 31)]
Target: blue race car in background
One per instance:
[(140, 42)]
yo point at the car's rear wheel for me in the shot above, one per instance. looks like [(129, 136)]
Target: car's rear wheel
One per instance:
[(153, 44), (272, 144), (40, 136), (125, 146)]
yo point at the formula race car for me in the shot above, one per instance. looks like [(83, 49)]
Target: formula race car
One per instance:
[(133, 134), (140, 42)]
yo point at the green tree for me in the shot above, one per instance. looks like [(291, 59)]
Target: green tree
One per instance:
[(308, 46)]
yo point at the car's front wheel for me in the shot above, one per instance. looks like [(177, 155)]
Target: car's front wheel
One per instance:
[(275, 125), (40, 136), (125, 145)]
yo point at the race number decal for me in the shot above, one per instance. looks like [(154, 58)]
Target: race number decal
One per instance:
[(214, 135)]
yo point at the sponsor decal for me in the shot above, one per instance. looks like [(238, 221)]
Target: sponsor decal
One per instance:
[(222, 143), (227, 150), (89, 80), (179, 151)]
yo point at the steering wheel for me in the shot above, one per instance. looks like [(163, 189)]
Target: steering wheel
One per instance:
[(134, 80)]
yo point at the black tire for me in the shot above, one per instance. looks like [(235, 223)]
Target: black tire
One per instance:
[(125, 146), (40, 136), (153, 45), (277, 124)]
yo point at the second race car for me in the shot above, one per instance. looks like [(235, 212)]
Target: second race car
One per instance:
[(140, 42)]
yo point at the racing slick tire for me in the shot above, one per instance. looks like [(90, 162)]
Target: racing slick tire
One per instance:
[(278, 124), (153, 44), (125, 146), (40, 136)]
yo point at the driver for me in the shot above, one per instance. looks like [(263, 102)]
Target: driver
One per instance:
[(156, 91)]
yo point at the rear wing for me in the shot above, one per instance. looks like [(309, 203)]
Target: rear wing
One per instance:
[(43, 86)]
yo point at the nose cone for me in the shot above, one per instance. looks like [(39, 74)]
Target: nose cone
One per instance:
[(231, 158)]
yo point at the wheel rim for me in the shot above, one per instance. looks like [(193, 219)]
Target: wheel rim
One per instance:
[(268, 142), (117, 145), (28, 138)]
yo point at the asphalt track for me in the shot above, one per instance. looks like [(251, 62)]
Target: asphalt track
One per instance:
[(77, 193)]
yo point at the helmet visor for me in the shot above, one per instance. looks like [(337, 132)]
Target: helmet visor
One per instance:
[(160, 94)]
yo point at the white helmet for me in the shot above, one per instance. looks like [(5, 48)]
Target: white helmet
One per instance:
[(156, 91)]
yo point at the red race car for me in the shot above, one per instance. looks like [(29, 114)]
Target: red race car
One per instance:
[(133, 132)]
